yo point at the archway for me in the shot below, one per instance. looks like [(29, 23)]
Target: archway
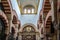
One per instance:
[(48, 24), (14, 20), (2, 30), (28, 9), (7, 6), (12, 30), (28, 32), (3, 26), (15, 17), (49, 29), (11, 35), (46, 8)]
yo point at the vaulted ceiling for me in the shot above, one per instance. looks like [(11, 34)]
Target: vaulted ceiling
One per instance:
[(23, 3)]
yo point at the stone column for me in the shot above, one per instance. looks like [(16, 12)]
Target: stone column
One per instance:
[(20, 37), (8, 30), (16, 30), (37, 37)]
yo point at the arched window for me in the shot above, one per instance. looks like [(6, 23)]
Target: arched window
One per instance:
[(29, 9), (25, 11), (32, 10)]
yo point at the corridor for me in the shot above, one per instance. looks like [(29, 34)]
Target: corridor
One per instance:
[(29, 19)]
